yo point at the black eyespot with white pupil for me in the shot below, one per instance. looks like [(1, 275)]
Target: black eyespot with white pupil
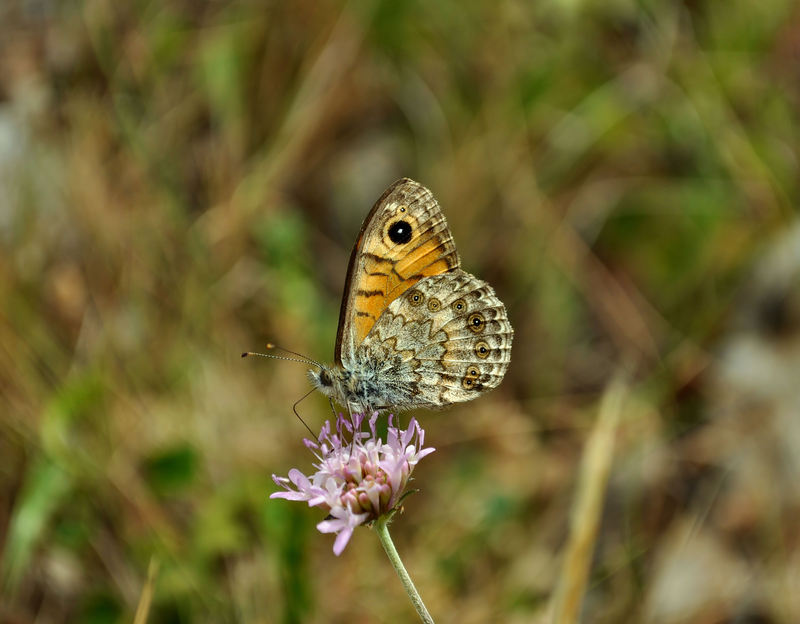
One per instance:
[(400, 232), (415, 297), (476, 322), (482, 349), (459, 306)]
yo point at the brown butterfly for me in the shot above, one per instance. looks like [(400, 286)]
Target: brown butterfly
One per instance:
[(414, 329)]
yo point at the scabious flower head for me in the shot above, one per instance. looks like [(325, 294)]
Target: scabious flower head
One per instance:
[(358, 477)]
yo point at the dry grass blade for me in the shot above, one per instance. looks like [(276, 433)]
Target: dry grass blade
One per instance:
[(143, 608), (588, 505)]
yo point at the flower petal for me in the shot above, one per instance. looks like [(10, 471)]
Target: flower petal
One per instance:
[(358, 476)]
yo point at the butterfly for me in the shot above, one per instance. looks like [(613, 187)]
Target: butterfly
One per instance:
[(415, 330)]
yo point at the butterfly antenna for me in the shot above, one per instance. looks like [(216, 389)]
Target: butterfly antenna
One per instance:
[(300, 358), (300, 418)]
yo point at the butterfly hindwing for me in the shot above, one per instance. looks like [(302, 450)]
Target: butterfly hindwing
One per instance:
[(404, 239), (446, 340)]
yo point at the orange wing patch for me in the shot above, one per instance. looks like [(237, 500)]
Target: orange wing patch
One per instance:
[(383, 282)]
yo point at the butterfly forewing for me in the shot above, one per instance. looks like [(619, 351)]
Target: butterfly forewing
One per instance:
[(404, 239)]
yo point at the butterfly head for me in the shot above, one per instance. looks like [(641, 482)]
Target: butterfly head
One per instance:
[(330, 381), (322, 380), (351, 389)]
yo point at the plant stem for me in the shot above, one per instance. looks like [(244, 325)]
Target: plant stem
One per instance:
[(382, 529)]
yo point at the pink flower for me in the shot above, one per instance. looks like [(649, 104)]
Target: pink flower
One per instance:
[(358, 477)]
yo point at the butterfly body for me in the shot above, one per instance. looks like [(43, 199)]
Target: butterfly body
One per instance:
[(415, 330)]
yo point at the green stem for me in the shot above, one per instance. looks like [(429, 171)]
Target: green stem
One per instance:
[(382, 529)]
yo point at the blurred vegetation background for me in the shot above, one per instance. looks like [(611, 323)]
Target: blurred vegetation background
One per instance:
[(181, 181)]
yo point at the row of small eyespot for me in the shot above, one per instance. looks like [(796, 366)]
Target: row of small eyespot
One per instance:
[(476, 322)]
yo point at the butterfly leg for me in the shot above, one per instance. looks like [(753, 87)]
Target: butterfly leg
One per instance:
[(300, 418)]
